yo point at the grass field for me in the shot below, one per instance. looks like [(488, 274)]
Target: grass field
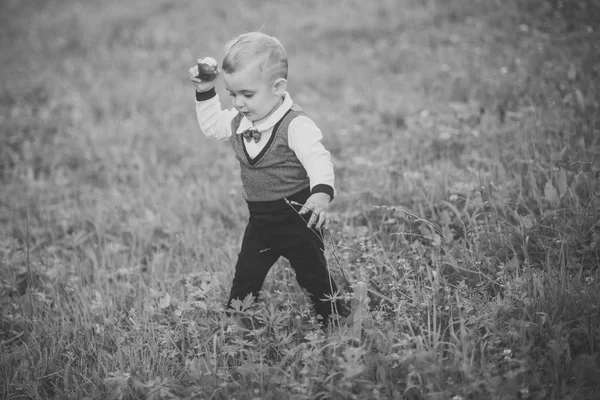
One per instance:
[(465, 232)]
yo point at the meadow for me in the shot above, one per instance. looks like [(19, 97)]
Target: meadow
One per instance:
[(465, 230)]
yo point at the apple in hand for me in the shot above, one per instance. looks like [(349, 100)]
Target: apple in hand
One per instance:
[(207, 69)]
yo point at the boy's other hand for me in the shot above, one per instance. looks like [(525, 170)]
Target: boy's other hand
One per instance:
[(318, 203), (203, 85)]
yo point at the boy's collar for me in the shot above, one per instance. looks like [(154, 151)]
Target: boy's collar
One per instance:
[(270, 122)]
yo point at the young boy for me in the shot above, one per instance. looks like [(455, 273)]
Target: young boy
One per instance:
[(283, 163)]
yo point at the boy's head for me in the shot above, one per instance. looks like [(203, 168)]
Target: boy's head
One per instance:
[(258, 50), (255, 74)]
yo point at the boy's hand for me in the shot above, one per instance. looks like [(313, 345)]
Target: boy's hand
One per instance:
[(318, 203), (204, 74)]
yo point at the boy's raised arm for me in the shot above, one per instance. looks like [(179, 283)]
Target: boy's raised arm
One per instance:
[(214, 122)]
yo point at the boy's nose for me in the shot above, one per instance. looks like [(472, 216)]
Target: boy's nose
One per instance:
[(239, 102)]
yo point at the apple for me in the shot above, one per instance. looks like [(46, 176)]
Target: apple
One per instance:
[(207, 69)]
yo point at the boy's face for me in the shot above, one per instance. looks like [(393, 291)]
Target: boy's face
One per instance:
[(252, 93)]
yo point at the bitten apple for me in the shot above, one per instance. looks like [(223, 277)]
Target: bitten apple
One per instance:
[(207, 69)]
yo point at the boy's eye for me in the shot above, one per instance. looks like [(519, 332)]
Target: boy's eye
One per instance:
[(249, 95)]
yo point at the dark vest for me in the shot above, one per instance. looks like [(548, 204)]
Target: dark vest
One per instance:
[(275, 172)]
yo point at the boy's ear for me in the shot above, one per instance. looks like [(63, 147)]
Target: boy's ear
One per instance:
[(279, 86)]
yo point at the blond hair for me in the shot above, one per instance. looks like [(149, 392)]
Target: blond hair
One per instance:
[(266, 50)]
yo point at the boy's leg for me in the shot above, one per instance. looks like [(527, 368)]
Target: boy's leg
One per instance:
[(254, 262), (304, 249)]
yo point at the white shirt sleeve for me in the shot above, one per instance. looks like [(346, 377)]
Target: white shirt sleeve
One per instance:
[(214, 122), (304, 138)]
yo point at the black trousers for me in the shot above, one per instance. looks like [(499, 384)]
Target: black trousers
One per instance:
[(274, 231)]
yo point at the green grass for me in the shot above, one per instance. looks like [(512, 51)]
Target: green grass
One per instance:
[(465, 230)]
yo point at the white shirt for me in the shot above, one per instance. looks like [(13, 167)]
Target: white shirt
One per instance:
[(304, 137)]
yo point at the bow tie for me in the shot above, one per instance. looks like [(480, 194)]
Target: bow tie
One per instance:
[(250, 134)]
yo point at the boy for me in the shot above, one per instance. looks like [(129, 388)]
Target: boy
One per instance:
[(283, 163)]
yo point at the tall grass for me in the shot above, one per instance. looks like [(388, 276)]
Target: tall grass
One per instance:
[(464, 233)]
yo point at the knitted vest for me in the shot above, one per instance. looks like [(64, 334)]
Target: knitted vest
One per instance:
[(275, 172)]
